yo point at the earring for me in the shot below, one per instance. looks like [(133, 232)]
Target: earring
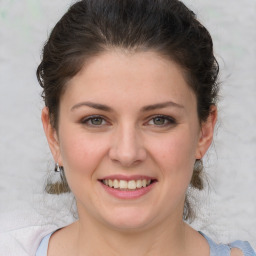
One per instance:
[(197, 179), (58, 168), (198, 165)]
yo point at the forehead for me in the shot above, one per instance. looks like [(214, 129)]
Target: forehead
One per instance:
[(120, 77)]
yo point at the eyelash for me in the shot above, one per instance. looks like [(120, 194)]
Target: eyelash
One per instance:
[(167, 119), (90, 118)]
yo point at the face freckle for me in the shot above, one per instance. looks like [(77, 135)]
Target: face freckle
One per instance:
[(129, 117)]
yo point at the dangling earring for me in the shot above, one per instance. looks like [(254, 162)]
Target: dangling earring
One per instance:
[(196, 180), (199, 166), (58, 168)]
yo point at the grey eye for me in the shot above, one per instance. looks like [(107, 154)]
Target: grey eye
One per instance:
[(162, 121), (159, 120), (96, 121)]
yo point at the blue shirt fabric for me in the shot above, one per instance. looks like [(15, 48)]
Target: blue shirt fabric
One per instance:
[(224, 249), (43, 247), (215, 249)]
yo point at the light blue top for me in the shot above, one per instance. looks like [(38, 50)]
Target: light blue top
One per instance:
[(43, 247), (215, 249)]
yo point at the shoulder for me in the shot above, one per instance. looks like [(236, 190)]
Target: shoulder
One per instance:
[(237, 248), (62, 241), (236, 252), (53, 243), (241, 248)]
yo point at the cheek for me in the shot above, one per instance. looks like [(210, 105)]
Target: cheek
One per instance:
[(81, 153), (176, 153)]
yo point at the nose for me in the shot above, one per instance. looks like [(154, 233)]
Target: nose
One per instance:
[(127, 146)]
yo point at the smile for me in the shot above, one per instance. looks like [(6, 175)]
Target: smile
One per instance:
[(127, 185), (124, 187)]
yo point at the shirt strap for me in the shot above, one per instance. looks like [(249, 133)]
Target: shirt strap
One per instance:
[(244, 246), (216, 249)]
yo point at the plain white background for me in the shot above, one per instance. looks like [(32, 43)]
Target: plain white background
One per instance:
[(227, 208)]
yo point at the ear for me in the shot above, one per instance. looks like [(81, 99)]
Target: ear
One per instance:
[(206, 133), (51, 135)]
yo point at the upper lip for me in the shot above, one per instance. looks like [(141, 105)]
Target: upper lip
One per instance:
[(127, 178)]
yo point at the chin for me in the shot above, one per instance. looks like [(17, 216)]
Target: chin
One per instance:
[(126, 220)]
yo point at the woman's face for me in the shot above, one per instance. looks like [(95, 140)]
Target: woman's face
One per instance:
[(128, 138)]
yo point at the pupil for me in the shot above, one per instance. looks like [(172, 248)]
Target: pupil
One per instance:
[(159, 120), (97, 121)]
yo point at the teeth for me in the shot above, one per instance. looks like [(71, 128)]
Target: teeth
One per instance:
[(139, 184), (123, 184), (132, 184), (116, 184)]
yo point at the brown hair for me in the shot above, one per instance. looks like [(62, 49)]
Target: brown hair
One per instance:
[(167, 27)]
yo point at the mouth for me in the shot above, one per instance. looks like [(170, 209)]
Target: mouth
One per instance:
[(128, 185)]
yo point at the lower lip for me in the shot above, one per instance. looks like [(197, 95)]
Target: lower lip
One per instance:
[(128, 194)]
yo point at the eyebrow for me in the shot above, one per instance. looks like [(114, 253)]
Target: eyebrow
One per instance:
[(109, 109), (161, 105), (92, 105)]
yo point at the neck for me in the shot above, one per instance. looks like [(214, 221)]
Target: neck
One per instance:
[(97, 239)]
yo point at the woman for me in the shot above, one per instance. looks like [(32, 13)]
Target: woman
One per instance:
[(130, 90)]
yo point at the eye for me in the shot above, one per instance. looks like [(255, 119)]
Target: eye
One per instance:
[(94, 121), (161, 121)]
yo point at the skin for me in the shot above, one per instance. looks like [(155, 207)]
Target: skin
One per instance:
[(129, 140)]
